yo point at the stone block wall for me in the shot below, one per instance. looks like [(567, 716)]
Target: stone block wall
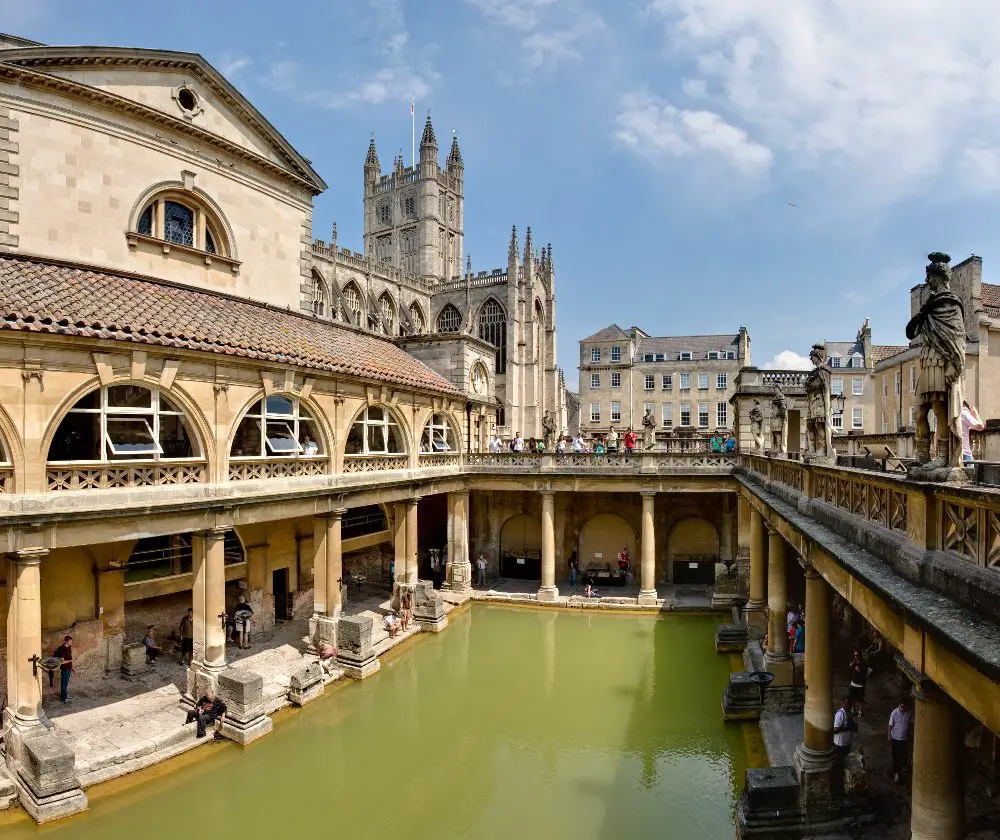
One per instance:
[(9, 170)]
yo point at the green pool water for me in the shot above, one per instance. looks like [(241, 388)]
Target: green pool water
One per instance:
[(512, 723)]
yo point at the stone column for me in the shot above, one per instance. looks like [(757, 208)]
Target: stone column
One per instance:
[(334, 564), (756, 608), (815, 756), (459, 571), (548, 591), (319, 565), (209, 602), (399, 544), (412, 566), (24, 636), (647, 584), (937, 811), (777, 658)]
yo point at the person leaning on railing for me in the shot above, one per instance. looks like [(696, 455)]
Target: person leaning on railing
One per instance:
[(970, 421)]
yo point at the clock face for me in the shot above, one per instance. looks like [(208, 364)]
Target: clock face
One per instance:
[(478, 379)]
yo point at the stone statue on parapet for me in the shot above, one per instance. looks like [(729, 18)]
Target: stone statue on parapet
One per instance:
[(648, 429), (940, 328), (779, 422), (549, 431), (818, 407), (756, 427)]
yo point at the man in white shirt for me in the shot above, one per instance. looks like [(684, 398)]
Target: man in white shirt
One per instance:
[(518, 442), (578, 444), (494, 444), (844, 728), (969, 420), (899, 736), (481, 570)]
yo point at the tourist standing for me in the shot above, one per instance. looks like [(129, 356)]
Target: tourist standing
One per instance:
[(517, 445), (494, 445), (730, 444), (612, 440), (242, 616), (630, 439), (799, 637), (186, 630), (859, 676), (65, 653), (561, 445), (578, 444), (572, 569), (899, 736), (481, 570), (844, 727)]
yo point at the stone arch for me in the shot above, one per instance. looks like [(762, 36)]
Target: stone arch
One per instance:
[(352, 294), (456, 428), (521, 536), (601, 539), (199, 424), (194, 195), (396, 417), (449, 319), (692, 550), (316, 415), (321, 303), (417, 318), (11, 453), (388, 313)]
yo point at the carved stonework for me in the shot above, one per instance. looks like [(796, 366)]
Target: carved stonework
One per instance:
[(779, 422), (940, 328), (756, 427), (818, 425), (648, 429), (549, 431)]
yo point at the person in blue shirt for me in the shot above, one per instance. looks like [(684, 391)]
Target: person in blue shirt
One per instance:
[(730, 444), (799, 639)]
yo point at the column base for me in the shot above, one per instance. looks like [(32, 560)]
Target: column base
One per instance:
[(782, 667), (548, 594), (647, 598), (243, 694), (42, 769), (820, 781), (756, 615), (431, 624), (306, 684), (200, 679), (359, 670)]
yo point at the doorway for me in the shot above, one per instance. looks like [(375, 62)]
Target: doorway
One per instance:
[(279, 586)]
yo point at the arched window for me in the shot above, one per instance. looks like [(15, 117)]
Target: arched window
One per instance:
[(375, 432), (417, 317), (277, 427), (320, 302), (387, 310), (352, 300), (123, 423), (181, 218), (438, 435), (450, 320), (493, 328)]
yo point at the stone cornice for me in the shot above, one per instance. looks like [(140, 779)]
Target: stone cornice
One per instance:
[(298, 171)]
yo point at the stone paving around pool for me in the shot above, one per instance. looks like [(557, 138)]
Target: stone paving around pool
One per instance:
[(117, 726)]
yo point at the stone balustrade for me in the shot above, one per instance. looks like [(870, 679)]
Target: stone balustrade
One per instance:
[(375, 463), (254, 469), (132, 474)]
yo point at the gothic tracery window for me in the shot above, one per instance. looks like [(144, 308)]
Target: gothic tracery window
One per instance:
[(320, 304), (493, 328), (417, 317), (352, 299), (450, 320), (387, 310)]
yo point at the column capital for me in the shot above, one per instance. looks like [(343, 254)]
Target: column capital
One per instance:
[(218, 533), (810, 571), (647, 493), (546, 491), (923, 687), (771, 529), (335, 513), (413, 501), (27, 556)]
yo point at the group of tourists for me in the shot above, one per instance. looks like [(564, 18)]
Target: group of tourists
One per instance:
[(613, 442)]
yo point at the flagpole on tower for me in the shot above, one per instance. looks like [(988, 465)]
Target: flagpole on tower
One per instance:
[(413, 134)]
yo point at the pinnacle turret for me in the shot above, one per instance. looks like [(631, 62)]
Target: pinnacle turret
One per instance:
[(529, 253), (428, 138), (372, 159), (455, 155), (512, 251)]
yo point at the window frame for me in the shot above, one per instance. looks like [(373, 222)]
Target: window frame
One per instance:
[(595, 412), (721, 415), (265, 417), (595, 355), (667, 382), (443, 324), (721, 381), (685, 378), (858, 417), (704, 417), (209, 235), (685, 410), (451, 442), (649, 382), (857, 386), (703, 381), (616, 411), (616, 379), (595, 380), (836, 386), (667, 415), (837, 421), (616, 353), (388, 420), (835, 361)]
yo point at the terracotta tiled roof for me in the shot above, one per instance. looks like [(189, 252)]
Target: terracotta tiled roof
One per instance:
[(991, 298), (43, 296), (884, 351)]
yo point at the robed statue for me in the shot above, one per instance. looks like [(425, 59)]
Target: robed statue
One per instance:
[(818, 420), (756, 426), (648, 429), (779, 422), (940, 326), (549, 431)]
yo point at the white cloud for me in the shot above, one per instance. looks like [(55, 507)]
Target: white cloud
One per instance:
[(230, 65), (880, 97), (788, 360), (550, 32), (657, 130), (281, 76)]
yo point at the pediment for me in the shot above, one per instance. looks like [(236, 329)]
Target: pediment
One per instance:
[(156, 79)]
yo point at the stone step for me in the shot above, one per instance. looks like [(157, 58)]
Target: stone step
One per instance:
[(8, 792)]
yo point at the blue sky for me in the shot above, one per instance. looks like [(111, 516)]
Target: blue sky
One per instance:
[(696, 164)]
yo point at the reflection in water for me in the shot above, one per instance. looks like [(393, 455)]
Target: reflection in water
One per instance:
[(511, 723)]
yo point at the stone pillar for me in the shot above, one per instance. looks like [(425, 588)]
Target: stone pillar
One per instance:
[(24, 637), (756, 608), (209, 603), (257, 583), (548, 591), (777, 658), (319, 565), (111, 610), (334, 564), (399, 544), (412, 563), (41, 764), (647, 583), (459, 571), (937, 811), (815, 756)]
